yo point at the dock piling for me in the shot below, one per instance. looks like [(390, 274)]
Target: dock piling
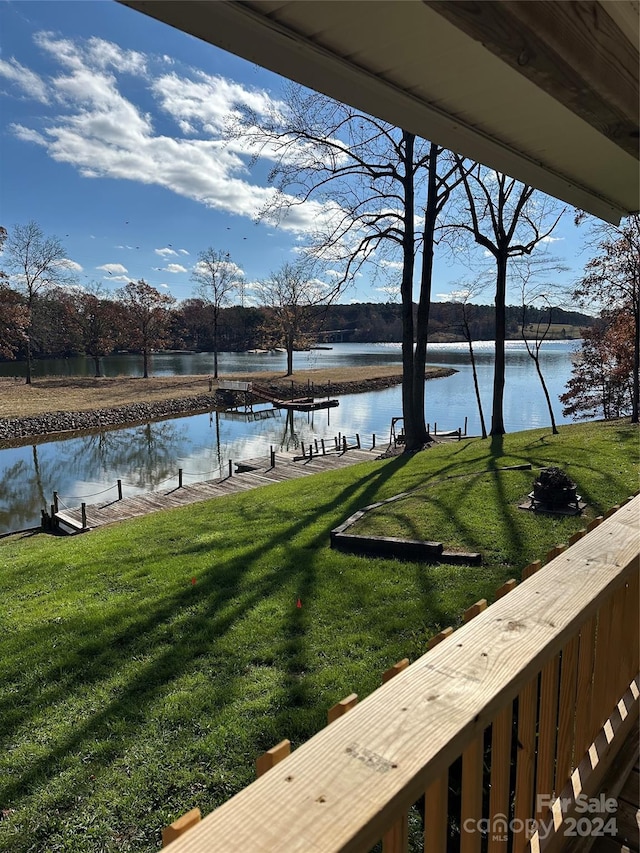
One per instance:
[(83, 509), (179, 478), (119, 490), (55, 502)]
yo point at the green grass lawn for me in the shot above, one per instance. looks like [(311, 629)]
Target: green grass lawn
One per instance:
[(129, 693)]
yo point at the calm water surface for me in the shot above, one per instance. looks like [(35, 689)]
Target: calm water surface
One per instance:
[(148, 457)]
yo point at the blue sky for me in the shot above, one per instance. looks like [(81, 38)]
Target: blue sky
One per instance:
[(112, 138)]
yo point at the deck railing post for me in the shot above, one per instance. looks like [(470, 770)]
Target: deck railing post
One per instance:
[(231, 468), (323, 447), (179, 478), (465, 425), (302, 445), (358, 441), (272, 455), (344, 443), (83, 508), (119, 490), (55, 502), (373, 441)]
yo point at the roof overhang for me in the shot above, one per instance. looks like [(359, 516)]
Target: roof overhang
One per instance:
[(546, 92)]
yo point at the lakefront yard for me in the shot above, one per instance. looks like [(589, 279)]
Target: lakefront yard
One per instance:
[(145, 666)]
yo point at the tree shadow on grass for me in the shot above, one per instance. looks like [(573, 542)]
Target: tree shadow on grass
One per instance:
[(220, 598)]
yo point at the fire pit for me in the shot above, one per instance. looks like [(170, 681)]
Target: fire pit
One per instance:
[(554, 491)]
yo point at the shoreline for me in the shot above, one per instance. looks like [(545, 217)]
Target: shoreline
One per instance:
[(44, 419)]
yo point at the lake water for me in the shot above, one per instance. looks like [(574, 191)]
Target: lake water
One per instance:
[(148, 457)]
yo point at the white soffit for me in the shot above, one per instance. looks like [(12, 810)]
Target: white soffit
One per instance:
[(403, 62)]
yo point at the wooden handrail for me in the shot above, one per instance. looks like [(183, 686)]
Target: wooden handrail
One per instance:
[(349, 784)]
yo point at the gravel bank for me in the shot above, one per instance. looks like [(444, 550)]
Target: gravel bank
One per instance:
[(15, 431)]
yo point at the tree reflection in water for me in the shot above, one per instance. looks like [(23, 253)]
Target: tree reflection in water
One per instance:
[(27, 488), (143, 456)]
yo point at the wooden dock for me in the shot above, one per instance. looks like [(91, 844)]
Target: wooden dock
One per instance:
[(248, 474)]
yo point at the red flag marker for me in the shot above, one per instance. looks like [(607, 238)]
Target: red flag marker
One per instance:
[(299, 604), (193, 581)]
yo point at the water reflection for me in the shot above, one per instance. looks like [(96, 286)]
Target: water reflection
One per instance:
[(149, 456)]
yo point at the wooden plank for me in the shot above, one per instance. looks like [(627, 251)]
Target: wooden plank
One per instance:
[(388, 674), (584, 693), (471, 805), (531, 569), (564, 51), (547, 733), (272, 757), (180, 826), (525, 763), (396, 839), (616, 681), (471, 612), (505, 588), (567, 712), (341, 707), (442, 635), (348, 783), (599, 702), (436, 815), (500, 777)]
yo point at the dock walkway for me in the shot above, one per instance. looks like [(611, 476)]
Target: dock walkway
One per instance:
[(249, 474)]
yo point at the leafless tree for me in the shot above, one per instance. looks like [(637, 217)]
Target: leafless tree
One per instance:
[(509, 220), (368, 184), (294, 302), (217, 278)]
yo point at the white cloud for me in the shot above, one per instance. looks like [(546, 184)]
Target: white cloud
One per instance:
[(126, 278), (113, 268), (165, 253), (71, 265), (101, 133), (183, 251), (175, 268), (28, 81), (551, 239)]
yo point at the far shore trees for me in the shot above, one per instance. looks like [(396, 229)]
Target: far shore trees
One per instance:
[(98, 320), (148, 317), (36, 263), (217, 277)]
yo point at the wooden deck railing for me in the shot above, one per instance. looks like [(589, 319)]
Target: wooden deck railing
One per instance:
[(529, 699)]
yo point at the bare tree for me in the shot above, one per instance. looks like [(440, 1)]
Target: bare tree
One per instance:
[(147, 316), (293, 302), (217, 278), (535, 332), (508, 219), (36, 262), (370, 183), (463, 298)]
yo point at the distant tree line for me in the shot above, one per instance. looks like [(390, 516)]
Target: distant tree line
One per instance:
[(69, 322)]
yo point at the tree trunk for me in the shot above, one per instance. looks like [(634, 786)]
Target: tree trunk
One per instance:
[(28, 379), (413, 438), (145, 363), (554, 428), (483, 426), (424, 300), (215, 344), (497, 418), (289, 356), (96, 361), (635, 393)]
